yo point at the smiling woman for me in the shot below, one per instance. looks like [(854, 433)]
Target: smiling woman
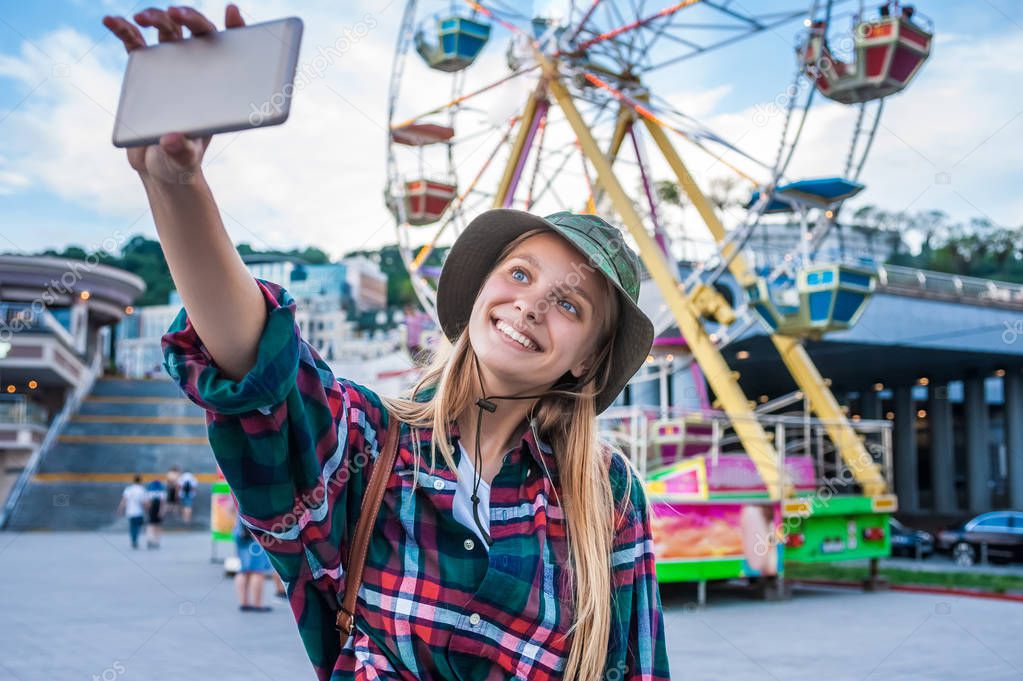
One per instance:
[(549, 577)]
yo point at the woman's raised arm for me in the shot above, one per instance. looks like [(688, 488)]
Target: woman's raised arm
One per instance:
[(218, 292)]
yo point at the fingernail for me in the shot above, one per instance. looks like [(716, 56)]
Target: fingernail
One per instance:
[(174, 145)]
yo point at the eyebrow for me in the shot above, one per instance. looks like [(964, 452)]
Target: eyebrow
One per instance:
[(536, 263)]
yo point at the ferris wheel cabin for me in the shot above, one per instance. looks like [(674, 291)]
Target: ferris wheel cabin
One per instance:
[(889, 50), (821, 297), (425, 199), (459, 40)]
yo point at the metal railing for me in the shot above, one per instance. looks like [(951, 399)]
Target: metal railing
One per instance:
[(944, 286), (22, 412), (22, 318), (633, 429)]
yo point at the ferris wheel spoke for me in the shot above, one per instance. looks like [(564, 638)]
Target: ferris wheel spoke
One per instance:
[(582, 21), (462, 98), (505, 9), (870, 140), (629, 40), (639, 23), (682, 41), (646, 113), (640, 38), (730, 40), (637, 149)]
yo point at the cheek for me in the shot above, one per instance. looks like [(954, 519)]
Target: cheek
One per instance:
[(573, 339)]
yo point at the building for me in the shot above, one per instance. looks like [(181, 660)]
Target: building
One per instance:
[(55, 328), (329, 298)]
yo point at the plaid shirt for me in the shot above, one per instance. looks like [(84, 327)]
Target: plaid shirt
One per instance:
[(297, 446)]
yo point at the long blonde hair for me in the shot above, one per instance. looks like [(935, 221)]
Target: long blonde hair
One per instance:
[(568, 420)]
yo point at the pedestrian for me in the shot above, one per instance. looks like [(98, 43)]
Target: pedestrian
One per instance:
[(133, 506), (187, 486), (156, 499), (251, 575), (525, 549), (173, 498)]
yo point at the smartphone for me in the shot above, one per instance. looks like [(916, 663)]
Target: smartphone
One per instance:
[(234, 79)]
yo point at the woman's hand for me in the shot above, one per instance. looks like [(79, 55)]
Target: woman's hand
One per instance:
[(176, 159)]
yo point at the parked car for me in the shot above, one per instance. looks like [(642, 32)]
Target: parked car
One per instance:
[(909, 542), (1001, 532)]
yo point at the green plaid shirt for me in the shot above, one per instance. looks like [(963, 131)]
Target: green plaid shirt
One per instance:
[(297, 446)]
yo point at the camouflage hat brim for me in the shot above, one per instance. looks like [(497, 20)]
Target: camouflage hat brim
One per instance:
[(475, 252)]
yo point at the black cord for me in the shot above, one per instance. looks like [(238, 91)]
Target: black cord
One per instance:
[(481, 404)]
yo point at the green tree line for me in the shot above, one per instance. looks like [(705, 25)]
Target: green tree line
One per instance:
[(144, 257), (928, 239)]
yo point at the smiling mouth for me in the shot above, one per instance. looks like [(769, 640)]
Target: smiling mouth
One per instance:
[(514, 337)]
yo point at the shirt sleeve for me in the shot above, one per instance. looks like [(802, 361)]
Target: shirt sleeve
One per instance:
[(637, 650), (296, 446)]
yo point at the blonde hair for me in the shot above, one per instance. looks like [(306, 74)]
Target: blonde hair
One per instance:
[(567, 417)]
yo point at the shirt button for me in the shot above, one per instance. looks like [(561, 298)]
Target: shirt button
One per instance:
[(469, 544), (438, 484), (474, 619)]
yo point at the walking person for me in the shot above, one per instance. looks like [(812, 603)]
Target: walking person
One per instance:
[(156, 499), (133, 507), (187, 487), (251, 575), (173, 498), (524, 549)]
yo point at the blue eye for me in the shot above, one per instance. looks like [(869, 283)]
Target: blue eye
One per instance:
[(518, 270), (570, 305)]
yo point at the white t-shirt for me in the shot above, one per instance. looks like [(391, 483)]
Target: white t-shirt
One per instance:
[(134, 497), (187, 477), (462, 503)]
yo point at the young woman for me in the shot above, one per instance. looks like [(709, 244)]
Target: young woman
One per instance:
[(522, 551)]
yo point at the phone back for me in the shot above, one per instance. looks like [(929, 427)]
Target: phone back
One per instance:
[(230, 80)]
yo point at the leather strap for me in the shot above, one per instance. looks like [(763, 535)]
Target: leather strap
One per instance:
[(367, 518)]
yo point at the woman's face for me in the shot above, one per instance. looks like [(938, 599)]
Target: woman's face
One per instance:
[(537, 316)]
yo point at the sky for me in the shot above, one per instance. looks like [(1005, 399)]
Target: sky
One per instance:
[(951, 142)]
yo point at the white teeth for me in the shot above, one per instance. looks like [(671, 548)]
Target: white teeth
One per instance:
[(515, 335)]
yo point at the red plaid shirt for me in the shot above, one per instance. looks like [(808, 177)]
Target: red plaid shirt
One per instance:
[(297, 446)]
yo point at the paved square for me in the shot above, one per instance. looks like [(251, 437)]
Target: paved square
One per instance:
[(85, 606)]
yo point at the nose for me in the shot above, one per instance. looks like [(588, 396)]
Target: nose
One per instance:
[(530, 307)]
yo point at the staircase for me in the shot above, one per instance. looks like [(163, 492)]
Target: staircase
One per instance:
[(123, 427)]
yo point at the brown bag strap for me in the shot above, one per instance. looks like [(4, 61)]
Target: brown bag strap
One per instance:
[(367, 518)]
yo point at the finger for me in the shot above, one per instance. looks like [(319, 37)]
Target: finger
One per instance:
[(167, 30), (196, 22), (179, 148), (128, 32), (233, 17)]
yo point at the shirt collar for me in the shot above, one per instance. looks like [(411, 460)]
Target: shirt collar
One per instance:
[(537, 448)]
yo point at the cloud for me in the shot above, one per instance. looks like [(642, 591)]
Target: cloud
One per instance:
[(319, 179), (943, 143), (316, 179)]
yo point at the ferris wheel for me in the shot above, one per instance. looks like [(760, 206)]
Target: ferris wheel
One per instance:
[(472, 124), (569, 105)]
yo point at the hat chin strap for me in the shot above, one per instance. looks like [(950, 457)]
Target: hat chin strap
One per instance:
[(481, 404)]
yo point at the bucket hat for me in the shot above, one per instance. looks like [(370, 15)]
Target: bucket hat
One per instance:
[(475, 252)]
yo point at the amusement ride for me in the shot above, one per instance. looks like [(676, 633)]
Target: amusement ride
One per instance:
[(492, 105)]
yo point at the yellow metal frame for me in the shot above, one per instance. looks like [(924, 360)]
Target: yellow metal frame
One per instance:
[(525, 123), (722, 379), (822, 401), (687, 313)]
